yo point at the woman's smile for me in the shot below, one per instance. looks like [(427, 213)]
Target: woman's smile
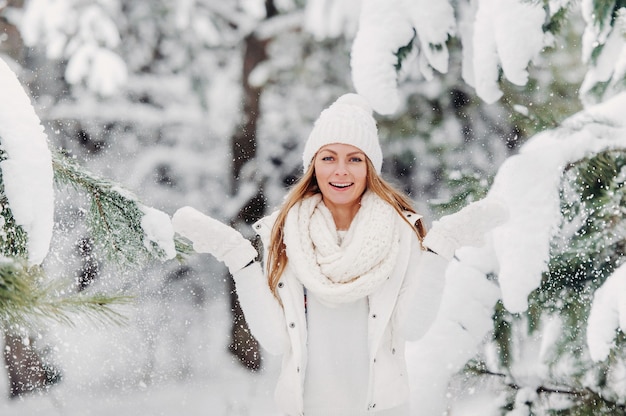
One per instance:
[(341, 185), (341, 173)]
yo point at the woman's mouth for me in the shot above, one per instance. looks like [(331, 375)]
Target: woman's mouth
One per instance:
[(341, 185)]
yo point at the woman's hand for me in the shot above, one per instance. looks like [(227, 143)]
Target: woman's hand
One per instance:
[(211, 236), (466, 227)]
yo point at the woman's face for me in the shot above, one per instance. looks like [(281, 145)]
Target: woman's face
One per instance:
[(341, 172)]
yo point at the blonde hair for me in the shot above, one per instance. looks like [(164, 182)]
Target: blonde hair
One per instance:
[(276, 259)]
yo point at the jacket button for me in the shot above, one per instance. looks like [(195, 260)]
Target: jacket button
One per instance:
[(393, 350), (257, 226), (297, 369), (292, 325), (280, 284), (374, 315)]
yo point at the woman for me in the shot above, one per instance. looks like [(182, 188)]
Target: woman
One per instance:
[(349, 273)]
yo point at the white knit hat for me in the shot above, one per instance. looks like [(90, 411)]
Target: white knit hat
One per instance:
[(348, 120)]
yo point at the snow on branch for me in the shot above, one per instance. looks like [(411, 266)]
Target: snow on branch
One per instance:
[(498, 35), (608, 314), (26, 166), (500, 39), (603, 50), (385, 28), (129, 232), (507, 34), (26, 301), (82, 33), (516, 255), (433, 37), (529, 184)]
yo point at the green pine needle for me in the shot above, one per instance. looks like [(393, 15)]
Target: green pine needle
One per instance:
[(26, 299), (13, 239), (114, 216)]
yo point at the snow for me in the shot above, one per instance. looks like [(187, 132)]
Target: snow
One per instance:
[(515, 51), (490, 36), (467, 13), (608, 315), (480, 404), (331, 19), (50, 21), (434, 23), (103, 71), (607, 65), (463, 320), (609, 62), (158, 230), (83, 34), (496, 43), (27, 172), (518, 252), (107, 371), (529, 185), (383, 29)]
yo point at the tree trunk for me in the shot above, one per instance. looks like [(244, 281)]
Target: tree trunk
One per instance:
[(11, 42), (26, 369), (243, 146)]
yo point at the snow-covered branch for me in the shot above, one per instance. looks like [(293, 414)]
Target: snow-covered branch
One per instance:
[(26, 165)]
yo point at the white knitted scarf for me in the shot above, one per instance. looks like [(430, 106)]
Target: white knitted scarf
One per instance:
[(340, 272)]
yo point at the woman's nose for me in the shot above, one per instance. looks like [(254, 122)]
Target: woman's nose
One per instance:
[(341, 169)]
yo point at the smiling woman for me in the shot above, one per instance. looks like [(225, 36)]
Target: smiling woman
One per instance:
[(348, 278), (341, 172)]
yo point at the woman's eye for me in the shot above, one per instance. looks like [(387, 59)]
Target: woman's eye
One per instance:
[(356, 159), (327, 158)]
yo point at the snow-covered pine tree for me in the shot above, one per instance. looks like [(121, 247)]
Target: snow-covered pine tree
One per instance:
[(565, 355), (128, 232), (562, 355), (554, 336)]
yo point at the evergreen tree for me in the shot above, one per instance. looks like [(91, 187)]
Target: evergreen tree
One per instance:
[(553, 337), (115, 217)]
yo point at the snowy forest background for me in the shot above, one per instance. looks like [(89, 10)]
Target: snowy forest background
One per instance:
[(149, 106)]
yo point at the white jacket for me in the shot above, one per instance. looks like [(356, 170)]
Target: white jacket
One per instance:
[(402, 309)]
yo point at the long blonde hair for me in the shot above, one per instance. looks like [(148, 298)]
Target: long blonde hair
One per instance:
[(307, 186)]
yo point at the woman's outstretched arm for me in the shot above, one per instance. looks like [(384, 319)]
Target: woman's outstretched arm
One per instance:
[(262, 310)]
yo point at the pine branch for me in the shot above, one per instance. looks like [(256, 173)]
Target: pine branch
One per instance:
[(593, 197), (588, 247), (466, 186), (13, 239), (26, 301), (580, 396), (404, 51), (114, 216)]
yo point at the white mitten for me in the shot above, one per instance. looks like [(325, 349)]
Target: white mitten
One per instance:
[(208, 235), (466, 227)]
